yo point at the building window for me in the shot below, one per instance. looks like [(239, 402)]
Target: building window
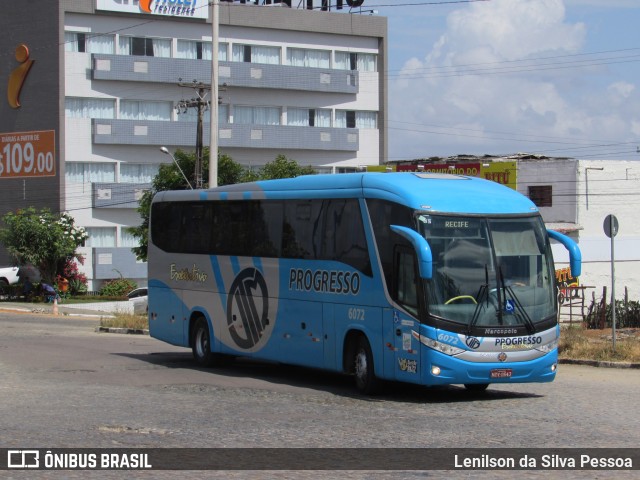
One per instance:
[(138, 172), (88, 172), (89, 43), (127, 239), (101, 237), (145, 47), (541, 195), (139, 110), (363, 62), (191, 115), (197, 50), (89, 108), (256, 115), (299, 57), (356, 119), (256, 54), (309, 117)]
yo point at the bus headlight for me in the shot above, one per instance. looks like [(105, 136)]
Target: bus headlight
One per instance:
[(441, 347), (548, 347)]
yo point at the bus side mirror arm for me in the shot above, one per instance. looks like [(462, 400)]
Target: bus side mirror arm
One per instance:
[(422, 248), (575, 256)]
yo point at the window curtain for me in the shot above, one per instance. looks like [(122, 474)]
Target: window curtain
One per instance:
[(298, 117), (126, 239), (366, 62), (89, 108), (342, 61), (341, 119), (237, 54), (268, 55), (88, 172), (266, 116), (100, 44), (296, 57), (192, 115), (366, 119), (137, 172), (323, 118), (222, 51), (135, 110), (101, 236), (187, 49), (161, 47), (124, 46), (318, 59), (243, 115), (70, 42)]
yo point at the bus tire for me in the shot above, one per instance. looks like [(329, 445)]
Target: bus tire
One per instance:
[(365, 378), (476, 387), (201, 343)]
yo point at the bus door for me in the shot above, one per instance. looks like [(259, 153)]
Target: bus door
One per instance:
[(406, 327)]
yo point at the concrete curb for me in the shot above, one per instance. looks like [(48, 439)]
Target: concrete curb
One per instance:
[(599, 363), (128, 331)]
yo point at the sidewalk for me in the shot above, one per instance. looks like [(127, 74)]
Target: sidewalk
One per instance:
[(96, 309)]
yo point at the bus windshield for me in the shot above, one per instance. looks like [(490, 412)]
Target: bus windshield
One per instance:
[(489, 271)]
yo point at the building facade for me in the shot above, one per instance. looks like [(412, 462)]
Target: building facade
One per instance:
[(107, 75)]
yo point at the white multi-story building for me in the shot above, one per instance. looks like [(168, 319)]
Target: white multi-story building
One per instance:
[(306, 83)]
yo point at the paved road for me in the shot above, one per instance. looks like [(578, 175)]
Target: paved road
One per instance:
[(64, 385)]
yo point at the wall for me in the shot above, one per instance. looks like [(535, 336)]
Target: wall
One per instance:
[(610, 187), (37, 27)]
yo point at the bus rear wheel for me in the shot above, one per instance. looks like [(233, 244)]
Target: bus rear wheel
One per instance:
[(366, 381), (201, 343)]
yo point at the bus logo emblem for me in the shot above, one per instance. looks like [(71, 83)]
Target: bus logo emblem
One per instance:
[(248, 308), (472, 342)]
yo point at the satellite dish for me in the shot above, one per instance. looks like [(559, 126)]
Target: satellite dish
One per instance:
[(355, 3)]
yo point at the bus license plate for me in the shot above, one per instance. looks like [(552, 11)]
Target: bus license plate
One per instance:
[(501, 373)]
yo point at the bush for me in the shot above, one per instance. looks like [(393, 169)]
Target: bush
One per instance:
[(627, 315), (118, 288)]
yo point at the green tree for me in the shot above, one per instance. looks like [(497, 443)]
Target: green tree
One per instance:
[(43, 239), (283, 167)]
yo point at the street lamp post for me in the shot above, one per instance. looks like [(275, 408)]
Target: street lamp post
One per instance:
[(167, 152)]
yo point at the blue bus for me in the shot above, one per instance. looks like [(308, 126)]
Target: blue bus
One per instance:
[(425, 278)]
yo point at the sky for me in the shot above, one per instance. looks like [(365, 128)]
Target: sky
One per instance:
[(551, 77)]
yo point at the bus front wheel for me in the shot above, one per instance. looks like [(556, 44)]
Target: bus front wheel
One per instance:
[(201, 343), (366, 381)]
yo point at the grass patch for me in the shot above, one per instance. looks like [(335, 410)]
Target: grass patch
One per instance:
[(589, 344), (126, 320)]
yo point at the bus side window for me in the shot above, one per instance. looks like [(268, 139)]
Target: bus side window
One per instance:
[(343, 236), (405, 279)]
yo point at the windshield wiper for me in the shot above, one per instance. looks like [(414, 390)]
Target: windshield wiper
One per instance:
[(482, 293), (523, 317)]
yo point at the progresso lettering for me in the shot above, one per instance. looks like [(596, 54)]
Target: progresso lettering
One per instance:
[(324, 281)]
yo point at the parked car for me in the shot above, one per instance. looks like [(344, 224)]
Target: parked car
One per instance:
[(8, 276), (139, 299)]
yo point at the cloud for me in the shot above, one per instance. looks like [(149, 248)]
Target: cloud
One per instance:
[(501, 79)]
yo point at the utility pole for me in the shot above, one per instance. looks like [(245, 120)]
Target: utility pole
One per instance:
[(201, 105), (214, 12)]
